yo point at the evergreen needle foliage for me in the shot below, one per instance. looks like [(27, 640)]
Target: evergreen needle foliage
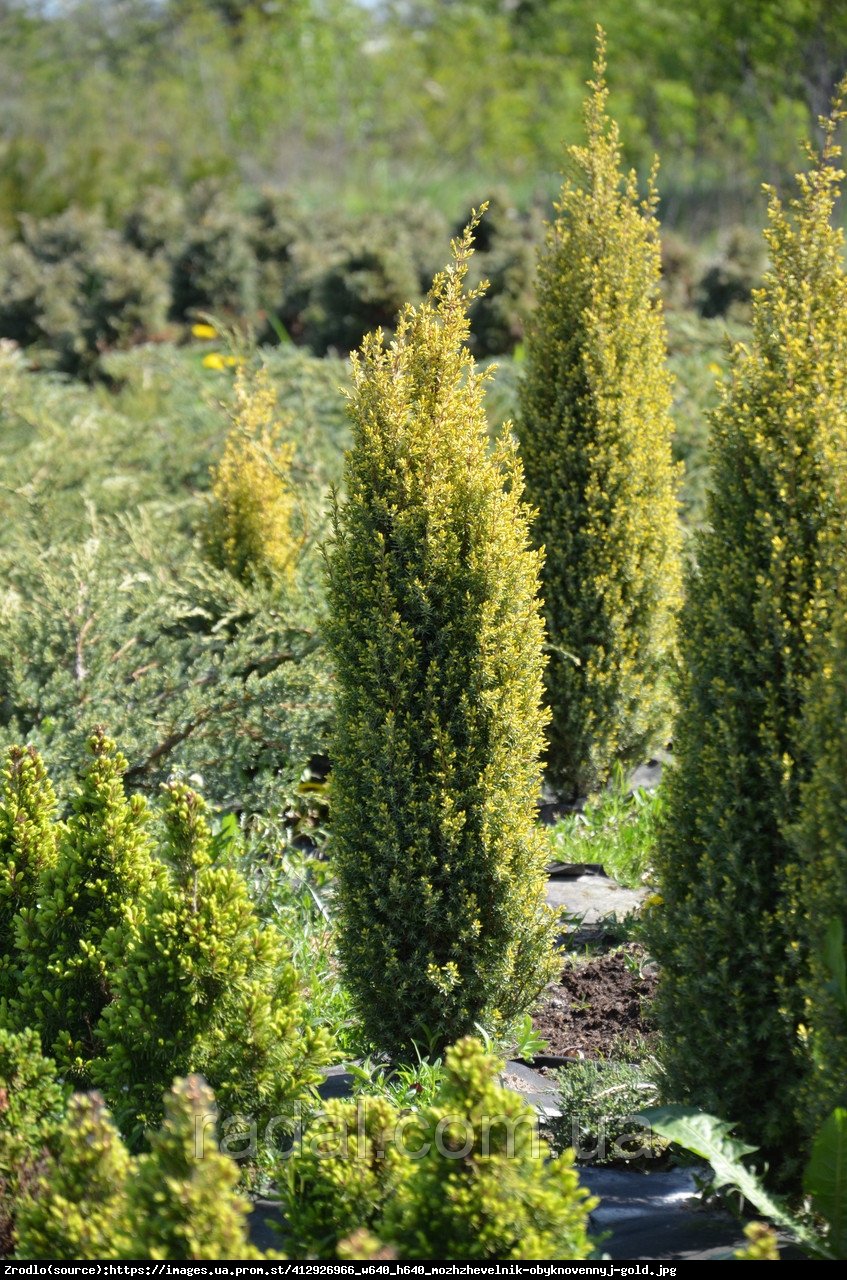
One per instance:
[(93, 1200), (727, 936), (77, 1209), (342, 1176), (467, 1177), (249, 524), (820, 898), (202, 984), (32, 1107), (182, 1198), (88, 900), (27, 847), (595, 434), (436, 636), (485, 1188)]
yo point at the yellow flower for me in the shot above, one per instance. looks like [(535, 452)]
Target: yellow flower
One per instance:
[(715, 369), (214, 360), (203, 331)]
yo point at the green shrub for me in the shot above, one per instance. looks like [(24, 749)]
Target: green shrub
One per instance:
[(20, 285), (341, 1176), (249, 526), (75, 287), (727, 284), (27, 848), (88, 902), (182, 1198), (436, 638), (820, 888), (202, 985), (595, 433), (726, 937), (157, 222), (280, 225), (466, 1177), (358, 282), (216, 268), (77, 1209), (92, 1200), (485, 1188), (32, 1106)]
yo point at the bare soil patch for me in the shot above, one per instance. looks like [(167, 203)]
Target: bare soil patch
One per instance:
[(599, 1004)]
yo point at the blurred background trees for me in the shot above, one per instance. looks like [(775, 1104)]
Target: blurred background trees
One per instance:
[(380, 100)]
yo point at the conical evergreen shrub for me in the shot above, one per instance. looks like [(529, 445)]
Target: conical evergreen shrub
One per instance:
[(78, 1210), (486, 1187), (201, 984), (340, 1176), (27, 847), (249, 526), (595, 435), (467, 1177), (92, 1200), (726, 935), (93, 890), (436, 636)]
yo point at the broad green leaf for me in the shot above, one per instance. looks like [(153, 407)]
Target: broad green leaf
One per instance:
[(711, 1138), (835, 958), (825, 1179)]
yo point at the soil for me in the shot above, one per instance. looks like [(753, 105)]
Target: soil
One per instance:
[(599, 1004)]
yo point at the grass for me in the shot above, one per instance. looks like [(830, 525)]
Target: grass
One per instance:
[(617, 829), (599, 1101)]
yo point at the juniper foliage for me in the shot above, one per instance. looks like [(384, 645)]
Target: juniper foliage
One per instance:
[(436, 636), (27, 847), (201, 984), (77, 1209), (89, 900), (728, 936), (595, 433)]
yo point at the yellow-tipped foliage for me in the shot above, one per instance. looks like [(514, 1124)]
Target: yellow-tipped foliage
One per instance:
[(820, 898), (436, 636), (595, 434), (250, 526), (729, 935)]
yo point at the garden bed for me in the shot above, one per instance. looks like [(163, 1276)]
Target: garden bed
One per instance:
[(597, 1006)]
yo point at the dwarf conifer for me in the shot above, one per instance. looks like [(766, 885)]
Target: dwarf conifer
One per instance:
[(249, 526), (726, 935), (595, 434), (485, 1187), (182, 1198), (32, 1109), (436, 636), (339, 1179), (77, 1209), (27, 847), (201, 984), (94, 889)]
